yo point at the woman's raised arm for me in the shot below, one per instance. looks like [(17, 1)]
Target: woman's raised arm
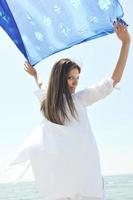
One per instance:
[(123, 35)]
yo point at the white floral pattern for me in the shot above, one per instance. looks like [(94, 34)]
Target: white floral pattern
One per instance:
[(104, 4)]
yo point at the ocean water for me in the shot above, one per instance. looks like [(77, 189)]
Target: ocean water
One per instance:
[(117, 187)]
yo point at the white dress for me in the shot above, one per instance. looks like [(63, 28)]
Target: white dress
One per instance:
[(65, 159)]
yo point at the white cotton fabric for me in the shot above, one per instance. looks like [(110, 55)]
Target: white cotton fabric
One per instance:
[(65, 159), (79, 197)]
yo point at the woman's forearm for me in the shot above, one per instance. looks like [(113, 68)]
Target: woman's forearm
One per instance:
[(38, 80), (120, 66)]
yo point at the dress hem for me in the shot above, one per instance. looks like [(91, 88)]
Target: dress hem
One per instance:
[(76, 196)]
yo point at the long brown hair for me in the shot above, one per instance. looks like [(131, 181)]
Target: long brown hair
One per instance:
[(54, 106)]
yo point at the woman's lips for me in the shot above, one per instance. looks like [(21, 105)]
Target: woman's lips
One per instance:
[(72, 88)]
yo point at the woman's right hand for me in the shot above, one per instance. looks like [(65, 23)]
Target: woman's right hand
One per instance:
[(30, 69)]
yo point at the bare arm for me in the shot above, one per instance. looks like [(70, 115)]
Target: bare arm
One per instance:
[(32, 71), (123, 35)]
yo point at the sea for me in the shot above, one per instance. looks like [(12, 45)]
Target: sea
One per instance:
[(117, 187)]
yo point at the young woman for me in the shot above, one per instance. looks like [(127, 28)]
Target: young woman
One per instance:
[(68, 165)]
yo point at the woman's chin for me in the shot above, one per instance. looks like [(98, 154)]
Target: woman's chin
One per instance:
[(72, 90)]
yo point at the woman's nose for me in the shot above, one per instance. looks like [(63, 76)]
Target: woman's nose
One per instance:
[(75, 82)]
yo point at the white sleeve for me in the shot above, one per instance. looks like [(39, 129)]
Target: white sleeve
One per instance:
[(92, 94), (41, 93)]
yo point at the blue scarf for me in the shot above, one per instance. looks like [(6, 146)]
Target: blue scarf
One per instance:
[(41, 28)]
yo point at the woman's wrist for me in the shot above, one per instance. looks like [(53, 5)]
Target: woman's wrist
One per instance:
[(35, 76), (126, 42), (38, 80)]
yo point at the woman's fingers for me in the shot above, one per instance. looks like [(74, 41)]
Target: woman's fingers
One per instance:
[(121, 31), (27, 64), (115, 26), (28, 68), (119, 26)]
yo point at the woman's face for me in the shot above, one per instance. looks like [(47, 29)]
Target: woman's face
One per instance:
[(72, 80)]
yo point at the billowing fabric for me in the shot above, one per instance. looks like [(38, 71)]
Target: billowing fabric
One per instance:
[(64, 158), (41, 28), (79, 197)]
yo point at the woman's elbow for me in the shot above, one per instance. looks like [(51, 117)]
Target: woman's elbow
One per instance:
[(115, 81)]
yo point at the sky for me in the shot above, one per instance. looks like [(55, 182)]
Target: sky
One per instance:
[(111, 119)]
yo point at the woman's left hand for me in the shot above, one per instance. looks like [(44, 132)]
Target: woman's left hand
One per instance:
[(122, 32)]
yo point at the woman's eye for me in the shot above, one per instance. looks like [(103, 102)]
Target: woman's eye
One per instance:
[(72, 78)]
